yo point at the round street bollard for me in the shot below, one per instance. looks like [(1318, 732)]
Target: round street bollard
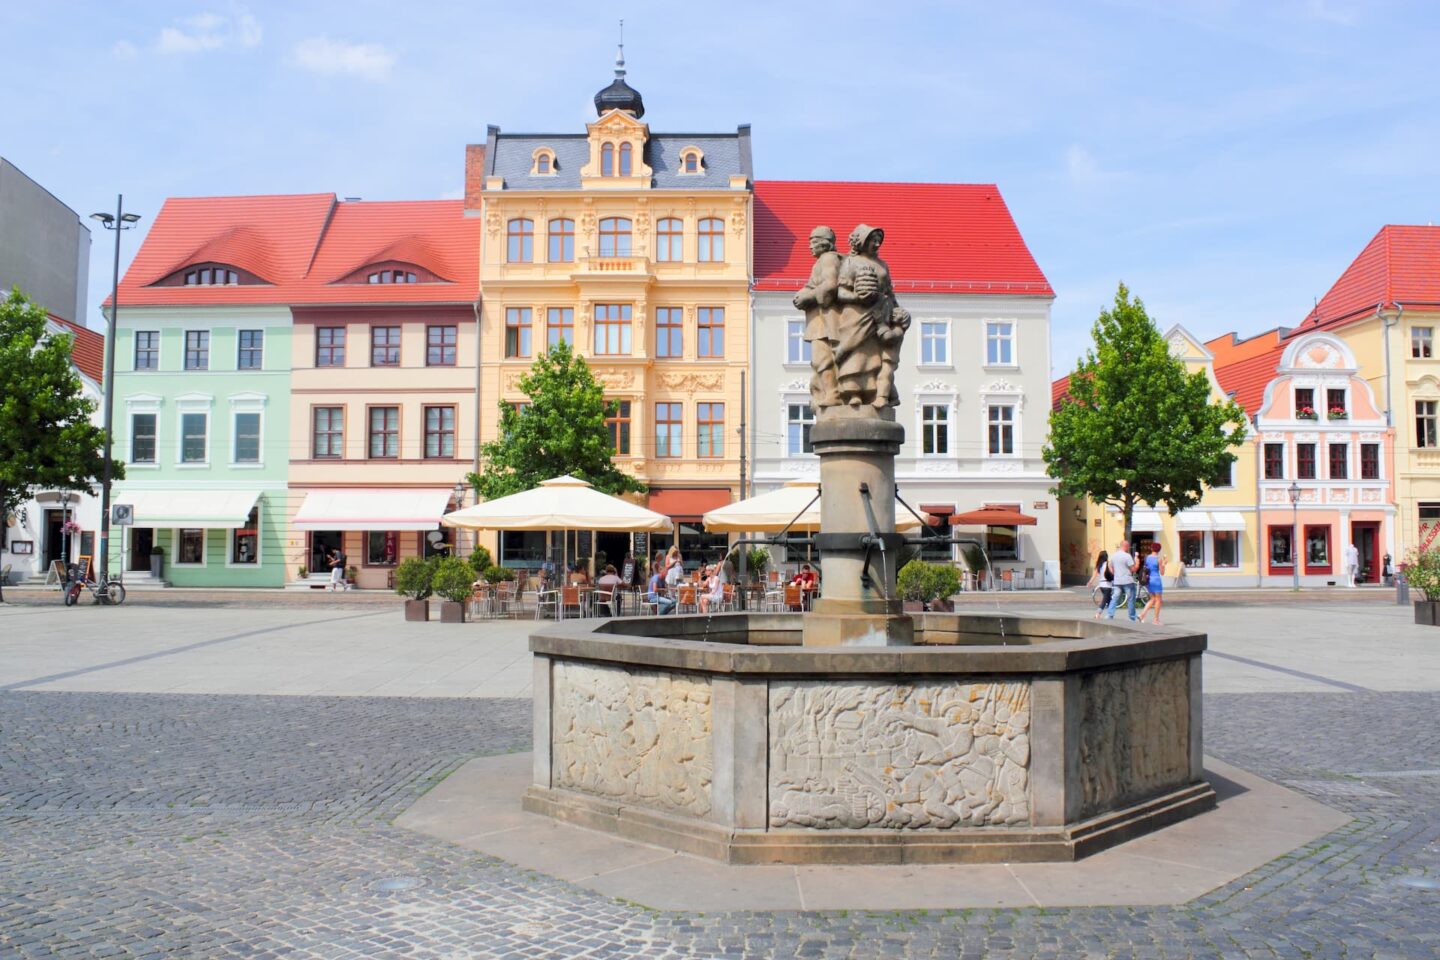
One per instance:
[(1402, 590)]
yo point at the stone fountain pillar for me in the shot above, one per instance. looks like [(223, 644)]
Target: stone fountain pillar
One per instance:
[(859, 605)]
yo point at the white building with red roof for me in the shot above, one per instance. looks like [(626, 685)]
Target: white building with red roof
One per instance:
[(975, 374)]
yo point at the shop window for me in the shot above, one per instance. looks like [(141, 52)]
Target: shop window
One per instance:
[(615, 237), (561, 236), (797, 348), (710, 429), (617, 421), (670, 240), (1369, 461), (1281, 547), (1305, 461), (1002, 543), (437, 543), (197, 349), (612, 329), (1339, 461), (700, 547), (935, 429), (1317, 549), (1227, 548), (522, 549), (800, 419), (1192, 548), (191, 547), (520, 240), (710, 333), (669, 428), (710, 240), (559, 327), (245, 542), (382, 548), (142, 437), (252, 350), (1429, 518), (932, 552), (1274, 461)]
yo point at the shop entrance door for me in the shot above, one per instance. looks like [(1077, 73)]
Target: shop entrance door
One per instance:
[(141, 540), (322, 544), (1365, 534), (54, 537)]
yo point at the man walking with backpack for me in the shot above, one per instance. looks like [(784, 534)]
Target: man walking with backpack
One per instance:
[(1122, 562)]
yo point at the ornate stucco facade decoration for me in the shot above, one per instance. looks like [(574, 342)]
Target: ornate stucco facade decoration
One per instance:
[(852, 755), (641, 736), (1134, 733)]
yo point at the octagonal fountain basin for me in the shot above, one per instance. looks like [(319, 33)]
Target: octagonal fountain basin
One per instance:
[(993, 738)]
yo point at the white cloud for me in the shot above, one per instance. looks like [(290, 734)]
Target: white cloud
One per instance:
[(210, 31), (369, 61), (124, 50)]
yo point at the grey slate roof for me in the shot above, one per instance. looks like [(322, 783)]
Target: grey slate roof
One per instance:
[(725, 155)]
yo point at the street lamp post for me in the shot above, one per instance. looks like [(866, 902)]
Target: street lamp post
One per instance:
[(117, 221), (65, 525), (460, 487), (1295, 533)]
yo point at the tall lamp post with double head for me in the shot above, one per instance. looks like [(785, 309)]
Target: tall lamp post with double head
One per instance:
[(460, 487), (117, 221), (1295, 534)]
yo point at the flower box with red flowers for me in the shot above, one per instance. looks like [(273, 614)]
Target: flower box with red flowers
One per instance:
[(1306, 413)]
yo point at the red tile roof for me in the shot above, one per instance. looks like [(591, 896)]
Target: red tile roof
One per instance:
[(1246, 379), (1401, 264), (88, 351), (300, 245), (1228, 348), (1058, 390), (939, 237)]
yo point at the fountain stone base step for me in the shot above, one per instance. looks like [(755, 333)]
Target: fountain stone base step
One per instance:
[(992, 738)]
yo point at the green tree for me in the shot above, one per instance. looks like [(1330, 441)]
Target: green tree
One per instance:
[(560, 431), (46, 437), (1135, 426)]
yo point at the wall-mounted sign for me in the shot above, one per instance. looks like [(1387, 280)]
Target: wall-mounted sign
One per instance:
[(1040, 505)]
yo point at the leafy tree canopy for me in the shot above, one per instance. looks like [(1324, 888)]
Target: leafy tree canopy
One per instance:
[(46, 438), (1136, 427), (560, 431)]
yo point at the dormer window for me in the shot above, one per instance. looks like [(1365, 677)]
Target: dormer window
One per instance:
[(607, 160), (691, 160), (391, 276), (209, 275), (625, 151), (545, 165), (391, 271)]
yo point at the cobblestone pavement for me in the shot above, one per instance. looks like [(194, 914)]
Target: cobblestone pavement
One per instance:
[(239, 826)]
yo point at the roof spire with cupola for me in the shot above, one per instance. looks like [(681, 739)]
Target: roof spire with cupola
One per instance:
[(620, 95)]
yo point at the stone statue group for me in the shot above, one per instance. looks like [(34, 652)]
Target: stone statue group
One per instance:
[(853, 324)]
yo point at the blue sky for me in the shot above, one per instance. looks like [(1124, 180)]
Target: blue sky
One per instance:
[(1225, 159)]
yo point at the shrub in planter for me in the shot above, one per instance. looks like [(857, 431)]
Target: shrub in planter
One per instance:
[(301, 572), (927, 586), (498, 574), (452, 580), (480, 561), (351, 575), (1422, 572), (415, 579)]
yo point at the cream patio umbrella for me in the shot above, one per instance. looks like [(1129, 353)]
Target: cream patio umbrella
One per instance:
[(564, 503), (772, 512)]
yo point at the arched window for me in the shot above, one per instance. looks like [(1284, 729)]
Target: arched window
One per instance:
[(712, 240), (520, 241), (625, 151), (669, 240), (542, 164), (562, 240), (690, 160), (607, 160), (615, 237)]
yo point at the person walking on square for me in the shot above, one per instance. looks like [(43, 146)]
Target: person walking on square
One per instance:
[(337, 570), (1154, 582), (1104, 578), (1352, 564), (1123, 566)]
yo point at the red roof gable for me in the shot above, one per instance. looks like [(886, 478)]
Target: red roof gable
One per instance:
[(939, 237), (1058, 390), (1401, 264), (1228, 348), (1246, 379), (88, 351), (300, 245)]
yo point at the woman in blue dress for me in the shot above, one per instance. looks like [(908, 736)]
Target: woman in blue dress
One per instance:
[(1154, 582)]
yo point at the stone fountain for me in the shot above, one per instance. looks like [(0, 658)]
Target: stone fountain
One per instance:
[(856, 733)]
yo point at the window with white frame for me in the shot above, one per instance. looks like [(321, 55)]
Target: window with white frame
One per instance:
[(1000, 435), (194, 437), (190, 547), (935, 342), (797, 348), (935, 429), (142, 437), (1426, 434), (799, 420), (247, 437), (1226, 550), (1422, 342), (999, 343)]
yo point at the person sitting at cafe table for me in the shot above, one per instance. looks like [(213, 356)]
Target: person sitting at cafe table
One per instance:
[(655, 593), (578, 576), (608, 583), (806, 579)]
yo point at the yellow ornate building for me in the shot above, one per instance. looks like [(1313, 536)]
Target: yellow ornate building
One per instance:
[(635, 248)]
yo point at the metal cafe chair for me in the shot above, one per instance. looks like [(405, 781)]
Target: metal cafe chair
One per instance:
[(1030, 578), (1007, 579)]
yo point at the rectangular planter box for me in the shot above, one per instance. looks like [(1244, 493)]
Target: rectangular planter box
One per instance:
[(417, 610), (452, 612), (1426, 613)]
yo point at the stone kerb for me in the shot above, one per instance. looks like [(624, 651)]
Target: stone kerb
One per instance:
[(1045, 749)]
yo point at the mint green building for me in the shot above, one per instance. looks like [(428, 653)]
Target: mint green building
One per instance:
[(201, 421)]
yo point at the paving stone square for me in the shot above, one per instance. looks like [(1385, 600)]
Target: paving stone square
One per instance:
[(138, 821)]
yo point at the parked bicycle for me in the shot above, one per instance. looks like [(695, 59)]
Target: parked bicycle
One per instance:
[(110, 591)]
